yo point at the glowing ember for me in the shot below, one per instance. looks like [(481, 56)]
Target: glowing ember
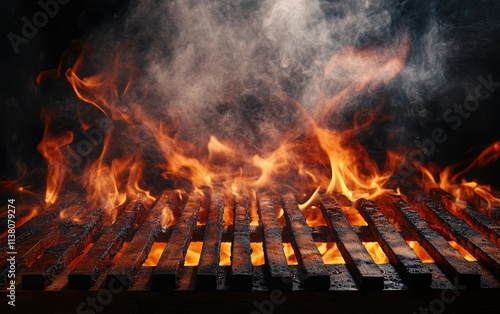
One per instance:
[(257, 255), (420, 252), (376, 252), (330, 253), (462, 251)]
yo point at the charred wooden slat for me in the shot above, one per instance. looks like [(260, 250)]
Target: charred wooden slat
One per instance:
[(482, 249), (319, 234), (449, 260), (394, 246), (280, 274), (21, 216), (241, 263), (29, 249), (165, 275), (99, 257), (306, 250), (358, 260), (138, 249), (486, 226), (31, 227), (55, 259), (206, 277)]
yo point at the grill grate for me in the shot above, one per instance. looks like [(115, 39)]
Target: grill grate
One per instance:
[(48, 244)]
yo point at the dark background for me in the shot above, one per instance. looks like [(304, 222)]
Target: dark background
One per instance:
[(20, 96)]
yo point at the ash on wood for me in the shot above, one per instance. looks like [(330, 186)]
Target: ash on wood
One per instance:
[(358, 260), (99, 257), (451, 262), (136, 253), (241, 263), (394, 246), (166, 271), (280, 274), (206, 277), (308, 256)]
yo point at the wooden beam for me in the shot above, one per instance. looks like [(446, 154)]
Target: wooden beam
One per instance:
[(166, 271), (281, 277), (358, 260), (482, 249), (99, 257), (241, 262), (55, 258), (451, 262), (394, 246), (138, 249), (206, 276), (306, 250)]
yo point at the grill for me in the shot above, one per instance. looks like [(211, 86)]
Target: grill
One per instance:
[(67, 252)]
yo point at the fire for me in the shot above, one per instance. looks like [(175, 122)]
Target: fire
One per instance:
[(420, 251), (376, 252), (452, 181), (462, 251), (257, 255), (330, 253)]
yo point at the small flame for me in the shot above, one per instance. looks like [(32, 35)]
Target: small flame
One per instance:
[(376, 252), (420, 251)]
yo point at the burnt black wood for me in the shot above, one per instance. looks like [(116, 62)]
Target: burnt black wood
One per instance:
[(481, 248), (394, 246), (135, 254), (274, 255), (485, 225), (454, 265), (241, 262), (206, 276), (171, 261), (306, 251), (358, 260), (102, 252), (55, 258)]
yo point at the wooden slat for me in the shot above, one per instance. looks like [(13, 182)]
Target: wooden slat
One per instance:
[(449, 260), (165, 275), (100, 255), (138, 249), (37, 242), (55, 258), (275, 258), (241, 262), (394, 246), (485, 225), (306, 250), (358, 260), (206, 276), (31, 227), (482, 249)]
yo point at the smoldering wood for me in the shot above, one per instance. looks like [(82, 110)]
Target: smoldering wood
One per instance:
[(358, 260), (275, 258), (480, 247), (100, 255), (451, 262), (55, 258), (241, 263), (206, 276), (165, 274), (485, 225), (125, 270), (41, 238), (394, 246), (306, 251)]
